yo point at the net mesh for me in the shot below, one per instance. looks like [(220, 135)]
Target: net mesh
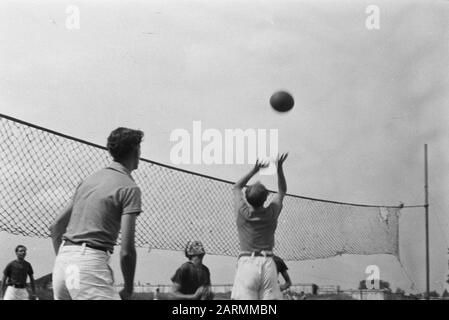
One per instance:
[(40, 169)]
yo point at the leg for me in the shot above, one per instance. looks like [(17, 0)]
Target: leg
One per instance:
[(60, 291), (9, 293), (270, 289), (247, 280), (95, 277), (16, 294)]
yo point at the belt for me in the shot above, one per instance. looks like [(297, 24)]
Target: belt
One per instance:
[(262, 253), (18, 286), (71, 243)]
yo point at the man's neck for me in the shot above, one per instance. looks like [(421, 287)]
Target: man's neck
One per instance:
[(128, 164), (196, 262)]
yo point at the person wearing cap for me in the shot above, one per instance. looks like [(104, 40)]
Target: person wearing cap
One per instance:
[(15, 276), (192, 280), (256, 274), (85, 233)]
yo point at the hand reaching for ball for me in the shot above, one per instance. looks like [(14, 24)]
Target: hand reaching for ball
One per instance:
[(281, 158), (261, 165)]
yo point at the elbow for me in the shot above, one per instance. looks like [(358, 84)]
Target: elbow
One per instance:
[(128, 253)]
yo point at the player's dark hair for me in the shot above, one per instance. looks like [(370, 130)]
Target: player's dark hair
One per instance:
[(20, 246), (256, 194), (122, 142)]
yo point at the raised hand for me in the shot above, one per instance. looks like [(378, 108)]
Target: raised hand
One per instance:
[(261, 165), (281, 158)]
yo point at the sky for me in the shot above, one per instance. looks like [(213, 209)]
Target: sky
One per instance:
[(366, 102)]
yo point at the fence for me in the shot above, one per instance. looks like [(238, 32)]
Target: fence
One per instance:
[(40, 168)]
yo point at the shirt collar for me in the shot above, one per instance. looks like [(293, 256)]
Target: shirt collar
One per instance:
[(119, 167)]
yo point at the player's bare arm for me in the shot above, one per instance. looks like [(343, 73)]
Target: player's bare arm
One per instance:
[(282, 184), (33, 287), (4, 279), (288, 282), (176, 294), (59, 226), (240, 184), (207, 292), (128, 255)]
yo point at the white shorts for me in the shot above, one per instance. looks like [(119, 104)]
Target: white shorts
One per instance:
[(82, 273), (16, 294), (256, 279)]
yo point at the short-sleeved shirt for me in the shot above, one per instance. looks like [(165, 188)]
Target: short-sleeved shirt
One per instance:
[(98, 206), (280, 264), (190, 277), (256, 227), (17, 272)]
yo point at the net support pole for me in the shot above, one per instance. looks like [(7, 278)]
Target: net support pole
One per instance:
[(426, 205)]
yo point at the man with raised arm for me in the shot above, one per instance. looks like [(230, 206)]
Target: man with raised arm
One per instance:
[(256, 275), (85, 233)]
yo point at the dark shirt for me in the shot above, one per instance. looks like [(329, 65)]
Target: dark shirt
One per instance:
[(190, 277), (280, 264), (17, 272)]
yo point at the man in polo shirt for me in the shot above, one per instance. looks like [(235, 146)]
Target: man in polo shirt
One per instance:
[(256, 275), (85, 233), (15, 277)]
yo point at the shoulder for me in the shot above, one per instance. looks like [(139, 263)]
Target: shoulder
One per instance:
[(275, 204), (275, 207), (130, 186), (182, 272), (129, 190), (115, 176), (206, 269), (29, 268), (238, 196), (186, 266)]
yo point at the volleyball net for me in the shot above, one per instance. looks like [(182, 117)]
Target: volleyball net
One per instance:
[(40, 169)]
